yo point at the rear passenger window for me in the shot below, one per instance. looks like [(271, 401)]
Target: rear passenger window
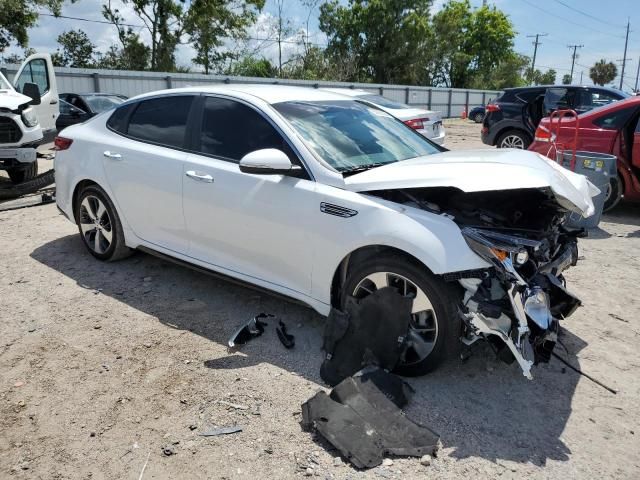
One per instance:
[(118, 119), (231, 129), (615, 120), (161, 120)]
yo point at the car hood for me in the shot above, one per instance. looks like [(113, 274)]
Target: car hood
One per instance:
[(482, 170), (11, 99)]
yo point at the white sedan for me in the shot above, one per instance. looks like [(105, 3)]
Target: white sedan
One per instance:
[(425, 122), (319, 197)]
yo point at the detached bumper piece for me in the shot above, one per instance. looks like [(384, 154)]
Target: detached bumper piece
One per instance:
[(362, 418)]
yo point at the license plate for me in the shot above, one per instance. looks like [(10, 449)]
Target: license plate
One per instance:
[(436, 127)]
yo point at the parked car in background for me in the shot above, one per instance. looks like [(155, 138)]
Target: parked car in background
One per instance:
[(476, 114), (321, 198), (78, 108), (512, 118), (28, 111), (426, 122), (613, 129)]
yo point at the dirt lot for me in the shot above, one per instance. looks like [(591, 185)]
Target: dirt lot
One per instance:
[(104, 365)]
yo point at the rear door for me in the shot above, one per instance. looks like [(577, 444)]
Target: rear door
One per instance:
[(143, 160), (38, 69), (635, 149)]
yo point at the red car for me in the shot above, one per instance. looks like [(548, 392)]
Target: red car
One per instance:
[(613, 129)]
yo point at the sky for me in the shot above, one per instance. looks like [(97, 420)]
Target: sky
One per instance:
[(600, 31)]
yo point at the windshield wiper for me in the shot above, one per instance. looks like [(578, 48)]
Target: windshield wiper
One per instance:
[(361, 168)]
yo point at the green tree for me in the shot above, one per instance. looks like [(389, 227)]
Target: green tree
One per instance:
[(253, 67), (469, 45), (603, 72), (163, 20), (547, 78), (77, 50), (384, 38), (133, 54), (210, 22), (17, 16), (566, 79), (508, 72)]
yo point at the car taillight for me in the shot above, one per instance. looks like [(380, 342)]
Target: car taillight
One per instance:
[(544, 135), (416, 123), (62, 143), (492, 107)]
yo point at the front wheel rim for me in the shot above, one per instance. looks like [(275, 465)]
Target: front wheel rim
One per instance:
[(95, 224), (513, 141), (423, 327)]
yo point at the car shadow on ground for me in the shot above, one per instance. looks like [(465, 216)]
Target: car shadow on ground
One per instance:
[(481, 408), (625, 214)]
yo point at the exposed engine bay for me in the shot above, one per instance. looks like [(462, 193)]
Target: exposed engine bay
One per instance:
[(517, 303)]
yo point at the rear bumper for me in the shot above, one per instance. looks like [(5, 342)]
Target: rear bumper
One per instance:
[(436, 137)]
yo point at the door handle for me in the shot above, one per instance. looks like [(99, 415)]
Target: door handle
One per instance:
[(112, 155), (201, 177)]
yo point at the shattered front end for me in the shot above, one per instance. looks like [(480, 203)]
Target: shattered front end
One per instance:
[(522, 297)]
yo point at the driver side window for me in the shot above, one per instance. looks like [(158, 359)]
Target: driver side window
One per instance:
[(231, 129), (34, 72)]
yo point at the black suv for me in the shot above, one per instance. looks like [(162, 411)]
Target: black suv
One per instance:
[(512, 118)]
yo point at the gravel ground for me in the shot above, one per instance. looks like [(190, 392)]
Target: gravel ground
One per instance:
[(108, 367)]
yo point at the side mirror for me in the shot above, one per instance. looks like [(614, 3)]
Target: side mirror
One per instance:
[(268, 161), (32, 91)]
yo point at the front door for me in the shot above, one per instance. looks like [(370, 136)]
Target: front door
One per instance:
[(253, 225), (635, 149), (143, 162), (38, 69)]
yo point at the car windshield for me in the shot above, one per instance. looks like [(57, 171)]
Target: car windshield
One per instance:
[(384, 102), (352, 136), (102, 103)]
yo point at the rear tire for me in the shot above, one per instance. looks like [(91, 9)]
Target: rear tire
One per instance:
[(478, 117), (23, 174), (440, 309), (99, 225), (514, 139), (614, 194)]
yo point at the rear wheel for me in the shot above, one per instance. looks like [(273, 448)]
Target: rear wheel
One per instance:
[(99, 225), (514, 139), (434, 327), (478, 117), (23, 174), (614, 193)]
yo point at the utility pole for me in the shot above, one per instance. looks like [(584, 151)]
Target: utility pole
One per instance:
[(581, 77), (637, 74), (624, 57), (573, 57), (622, 61), (535, 50)]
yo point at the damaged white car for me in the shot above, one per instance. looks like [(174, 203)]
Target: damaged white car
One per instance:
[(318, 197)]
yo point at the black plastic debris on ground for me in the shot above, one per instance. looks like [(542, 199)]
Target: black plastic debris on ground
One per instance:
[(253, 328), (288, 340), (362, 418), (220, 431), (369, 331)]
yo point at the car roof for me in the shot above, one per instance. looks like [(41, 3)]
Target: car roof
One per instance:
[(268, 93), (540, 87), (349, 92)]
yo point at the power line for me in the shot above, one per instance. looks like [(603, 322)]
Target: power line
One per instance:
[(593, 17), (104, 22), (570, 21)]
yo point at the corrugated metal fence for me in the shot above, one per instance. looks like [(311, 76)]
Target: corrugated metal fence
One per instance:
[(449, 101)]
